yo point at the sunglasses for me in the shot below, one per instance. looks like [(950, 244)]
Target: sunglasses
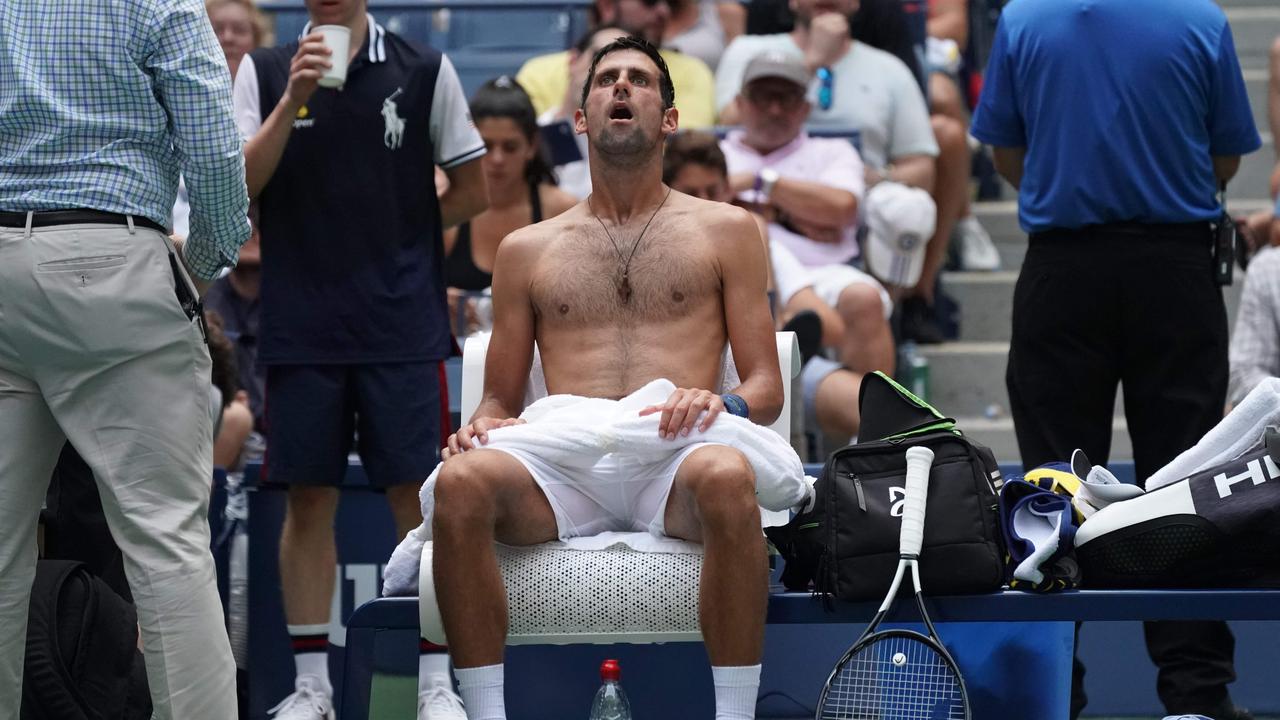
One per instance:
[(826, 87), (786, 99)]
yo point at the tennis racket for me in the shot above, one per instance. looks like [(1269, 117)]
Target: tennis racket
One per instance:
[(899, 674)]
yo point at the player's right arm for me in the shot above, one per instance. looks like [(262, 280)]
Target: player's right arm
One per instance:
[(510, 354)]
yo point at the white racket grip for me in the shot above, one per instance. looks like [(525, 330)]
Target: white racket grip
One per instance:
[(919, 460)]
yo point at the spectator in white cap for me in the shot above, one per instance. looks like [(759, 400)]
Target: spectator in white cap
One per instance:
[(810, 190)]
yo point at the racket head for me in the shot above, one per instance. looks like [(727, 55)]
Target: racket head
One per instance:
[(895, 675)]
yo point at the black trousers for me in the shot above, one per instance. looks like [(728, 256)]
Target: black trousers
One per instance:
[(1133, 305)]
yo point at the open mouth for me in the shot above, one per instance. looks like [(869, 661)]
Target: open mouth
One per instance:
[(620, 112)]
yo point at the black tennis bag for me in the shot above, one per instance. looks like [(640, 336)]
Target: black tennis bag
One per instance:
[(82, 660), (846, 545)]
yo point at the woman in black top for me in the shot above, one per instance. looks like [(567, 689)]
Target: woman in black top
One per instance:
[(522, 191)]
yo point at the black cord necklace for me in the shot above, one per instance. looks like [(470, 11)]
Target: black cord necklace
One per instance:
[(624, 287)]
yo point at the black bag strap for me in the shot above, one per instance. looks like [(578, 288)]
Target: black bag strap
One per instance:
[(48, 690)]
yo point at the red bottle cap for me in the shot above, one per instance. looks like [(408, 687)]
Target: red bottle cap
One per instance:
[(610, 670)]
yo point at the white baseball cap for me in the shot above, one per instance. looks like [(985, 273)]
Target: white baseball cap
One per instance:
[(900, 221)]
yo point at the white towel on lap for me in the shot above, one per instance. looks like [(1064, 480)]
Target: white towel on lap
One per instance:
[(575, 432)]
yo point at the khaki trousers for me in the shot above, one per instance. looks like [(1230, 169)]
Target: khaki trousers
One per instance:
[(95, 348)]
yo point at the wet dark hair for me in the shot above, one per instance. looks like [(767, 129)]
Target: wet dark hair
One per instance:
[(503, 97), (632, 42), (692, 148)]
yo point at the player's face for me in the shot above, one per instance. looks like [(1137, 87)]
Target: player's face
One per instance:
[(508, 151), (624, 114), (334, 12), (703, 182)]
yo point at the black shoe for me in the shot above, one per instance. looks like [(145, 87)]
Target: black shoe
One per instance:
[(808, 329), (920, 322)]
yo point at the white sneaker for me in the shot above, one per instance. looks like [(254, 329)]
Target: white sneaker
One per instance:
[(977, 250), (440, 702), (310, 701)]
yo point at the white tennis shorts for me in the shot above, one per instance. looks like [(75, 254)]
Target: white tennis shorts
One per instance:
[(618, 493)]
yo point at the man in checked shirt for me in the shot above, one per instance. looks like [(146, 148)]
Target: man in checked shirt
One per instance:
[(101, 107)]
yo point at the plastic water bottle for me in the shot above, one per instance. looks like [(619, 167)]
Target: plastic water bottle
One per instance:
[(611, 702), (916, 370)]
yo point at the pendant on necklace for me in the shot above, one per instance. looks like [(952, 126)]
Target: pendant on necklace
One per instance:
[(624, 290)]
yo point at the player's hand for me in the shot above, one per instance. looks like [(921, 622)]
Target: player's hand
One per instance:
[(828, 35), (475, 434), (680, 412), (309, 63)]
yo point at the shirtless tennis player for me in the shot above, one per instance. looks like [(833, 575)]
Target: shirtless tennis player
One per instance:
[(616, 293)]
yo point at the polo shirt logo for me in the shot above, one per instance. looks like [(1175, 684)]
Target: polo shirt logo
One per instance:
[(393, 136), (301, 120)]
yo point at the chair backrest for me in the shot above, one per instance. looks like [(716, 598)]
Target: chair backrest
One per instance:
[(473, 359)]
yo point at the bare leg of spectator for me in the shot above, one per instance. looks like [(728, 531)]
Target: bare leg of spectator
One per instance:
[(836, 403), (868, 341), (945, 99), (308, 563), (950, 190)]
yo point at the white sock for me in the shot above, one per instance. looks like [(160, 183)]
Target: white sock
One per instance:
[(481, 690), (309, 662), (736, 690), (433, 669)]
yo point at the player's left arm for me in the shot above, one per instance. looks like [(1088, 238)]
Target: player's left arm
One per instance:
[(743, 270)]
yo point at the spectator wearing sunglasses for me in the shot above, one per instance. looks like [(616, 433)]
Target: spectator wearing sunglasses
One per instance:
[(853, 85), (810, 190), (546, 77)]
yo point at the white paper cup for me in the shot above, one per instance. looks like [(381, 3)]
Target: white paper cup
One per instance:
[(338, 39)]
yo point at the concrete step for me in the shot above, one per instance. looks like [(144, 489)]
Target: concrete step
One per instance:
[(998, 435), (1257, 82), (1254, 27), (986, 299)]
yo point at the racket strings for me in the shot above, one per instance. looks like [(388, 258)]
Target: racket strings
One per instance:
[(895, 678)]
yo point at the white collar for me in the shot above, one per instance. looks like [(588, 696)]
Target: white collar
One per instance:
[(377, 39)]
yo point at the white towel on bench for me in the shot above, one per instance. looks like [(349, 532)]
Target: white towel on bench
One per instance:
[(574, 431), (1239, 432)]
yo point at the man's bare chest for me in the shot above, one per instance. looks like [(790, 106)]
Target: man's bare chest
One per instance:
[(587, 279)]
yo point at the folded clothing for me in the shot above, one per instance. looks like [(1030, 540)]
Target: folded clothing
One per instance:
[(1039, 530)]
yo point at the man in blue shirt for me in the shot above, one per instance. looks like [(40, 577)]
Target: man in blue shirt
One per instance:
[(102, 105), (354, 322), (1118, 120)]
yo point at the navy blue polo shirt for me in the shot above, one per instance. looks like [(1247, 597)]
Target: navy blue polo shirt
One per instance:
[(352, 250), (1121, 105)]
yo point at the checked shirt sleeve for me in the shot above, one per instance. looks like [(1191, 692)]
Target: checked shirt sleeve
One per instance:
[(195, 89)]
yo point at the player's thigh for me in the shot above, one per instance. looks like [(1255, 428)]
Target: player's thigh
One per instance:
[(492, 486), (712, 481)]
